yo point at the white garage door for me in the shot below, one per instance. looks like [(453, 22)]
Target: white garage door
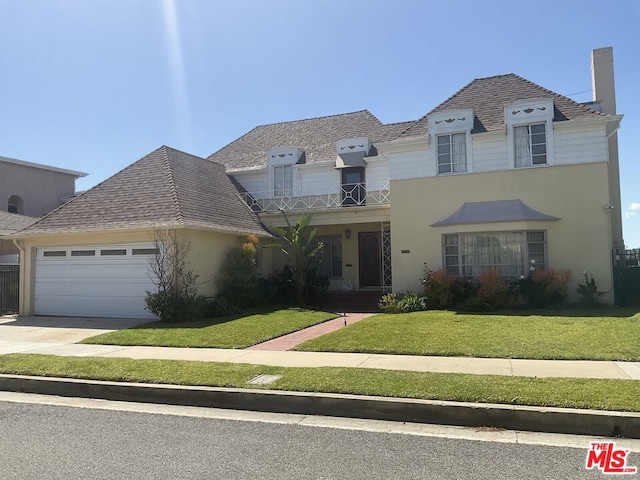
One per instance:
[(94, 281)]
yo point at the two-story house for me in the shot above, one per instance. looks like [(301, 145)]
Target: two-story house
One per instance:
[(27, 192), (503, 175)]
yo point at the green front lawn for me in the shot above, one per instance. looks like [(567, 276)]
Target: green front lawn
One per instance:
[(603, 334), (238, 331), (621, 395)]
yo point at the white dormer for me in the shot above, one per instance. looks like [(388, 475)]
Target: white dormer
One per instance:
[(281, 163), (284, 156), (351, 152), (529, 124), (450, 139), (529, 111)]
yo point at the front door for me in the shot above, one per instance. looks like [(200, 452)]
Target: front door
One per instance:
[(370, 258)]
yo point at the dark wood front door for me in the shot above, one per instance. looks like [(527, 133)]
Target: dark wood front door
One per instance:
[(370, 258)]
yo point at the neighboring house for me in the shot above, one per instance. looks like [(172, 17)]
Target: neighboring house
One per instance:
[(29, 191), (503, 175)]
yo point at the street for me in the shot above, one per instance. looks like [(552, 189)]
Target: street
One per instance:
[(47, 441)]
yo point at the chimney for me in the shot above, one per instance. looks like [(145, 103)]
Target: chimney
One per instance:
[(602, 81), (604, 93)]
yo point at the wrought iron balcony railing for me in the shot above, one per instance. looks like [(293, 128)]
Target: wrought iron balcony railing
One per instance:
[(319, 197)]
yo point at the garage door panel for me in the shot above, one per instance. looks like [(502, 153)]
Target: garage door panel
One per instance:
[(98, 285)]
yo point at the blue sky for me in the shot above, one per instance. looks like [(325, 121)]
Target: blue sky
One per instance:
[(95, 85)]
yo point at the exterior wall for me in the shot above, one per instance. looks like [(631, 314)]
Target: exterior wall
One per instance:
[(576, 194), (207, 253), (40, 189)]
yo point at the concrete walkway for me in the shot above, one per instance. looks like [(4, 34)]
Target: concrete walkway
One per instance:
[(288, 342), (37, 335)]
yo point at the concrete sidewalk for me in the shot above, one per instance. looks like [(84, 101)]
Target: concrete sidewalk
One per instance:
[(56, 336), (480, 366)]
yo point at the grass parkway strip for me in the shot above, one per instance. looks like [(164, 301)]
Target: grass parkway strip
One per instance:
[(617, 395)]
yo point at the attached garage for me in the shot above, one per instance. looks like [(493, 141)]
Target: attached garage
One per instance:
[(94, 281)]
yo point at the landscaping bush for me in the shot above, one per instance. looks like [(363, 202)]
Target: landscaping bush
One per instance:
[(544, 288), (588, 291), (443, 289), (173, 306), (402, 303), (492, 290), (238, 275)]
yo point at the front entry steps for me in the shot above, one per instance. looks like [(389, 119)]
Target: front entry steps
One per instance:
[(355, 301)]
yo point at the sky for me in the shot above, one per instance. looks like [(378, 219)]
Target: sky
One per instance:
[(94, 85)]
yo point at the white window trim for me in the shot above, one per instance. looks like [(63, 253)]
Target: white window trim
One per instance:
[(548, 130), (468, 168), (450, 122), (272, 179)]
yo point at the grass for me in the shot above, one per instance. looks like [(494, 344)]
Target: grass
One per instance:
[(605, 334), (237, 331), (619, 395)]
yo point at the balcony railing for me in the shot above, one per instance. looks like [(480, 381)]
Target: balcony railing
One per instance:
[(319, 198)]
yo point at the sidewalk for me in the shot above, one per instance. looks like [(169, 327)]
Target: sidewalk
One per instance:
[(480, 366), (38, 335)]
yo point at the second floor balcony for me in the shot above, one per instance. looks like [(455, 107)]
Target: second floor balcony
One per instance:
[(325, 197)]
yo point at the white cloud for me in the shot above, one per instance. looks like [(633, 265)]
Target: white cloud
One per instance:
[(632, 210)]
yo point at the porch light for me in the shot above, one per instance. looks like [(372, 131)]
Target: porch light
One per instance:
[(347, 233)]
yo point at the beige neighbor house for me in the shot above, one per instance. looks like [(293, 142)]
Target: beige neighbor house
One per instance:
[(29, 191), (502, 173)]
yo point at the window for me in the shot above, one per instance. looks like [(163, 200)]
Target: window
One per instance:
[(83, 253), (530, 145), (54, 253), (282, 180), (15, 205), (145, 251), (113, 252), (510, 254), (353, 187), (452, 153), (330, 256)]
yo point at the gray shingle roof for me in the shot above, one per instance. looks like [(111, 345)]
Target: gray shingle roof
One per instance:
[(166, 188), (316, 136), (11, 222), (488, 97)]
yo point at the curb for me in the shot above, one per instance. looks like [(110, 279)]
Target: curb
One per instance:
[(510, 417)]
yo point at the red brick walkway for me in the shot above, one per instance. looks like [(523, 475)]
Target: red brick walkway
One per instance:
[(287, 342)]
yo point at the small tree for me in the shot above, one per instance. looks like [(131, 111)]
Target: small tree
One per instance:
[(297, 242), (238, 275), (177, 297)]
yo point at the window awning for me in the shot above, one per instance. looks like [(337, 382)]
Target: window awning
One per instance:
[(350, 159), (494, 211)]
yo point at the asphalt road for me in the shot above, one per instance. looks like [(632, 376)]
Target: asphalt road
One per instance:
[(60, 442)]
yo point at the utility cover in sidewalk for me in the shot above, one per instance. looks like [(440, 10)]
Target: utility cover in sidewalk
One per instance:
[(264, 379)]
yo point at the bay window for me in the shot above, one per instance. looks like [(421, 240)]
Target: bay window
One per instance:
[(510, 254)]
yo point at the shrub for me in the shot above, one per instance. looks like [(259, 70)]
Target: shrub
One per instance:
[(492, 290), (442, 289), (173, 306), (412, 302), (544, 288), (402, 303), (588, 291), (238, 275), (389, 303)]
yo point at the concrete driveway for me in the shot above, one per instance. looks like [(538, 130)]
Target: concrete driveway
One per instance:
[(27, 334)]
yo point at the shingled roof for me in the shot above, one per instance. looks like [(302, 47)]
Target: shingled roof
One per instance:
[(488, 97), (317, 137), (165, 189), (11, 222)]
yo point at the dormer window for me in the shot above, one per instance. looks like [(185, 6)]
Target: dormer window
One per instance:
[(530, 146), (281, 162), (452, 153), (530, 132), (450, 132)]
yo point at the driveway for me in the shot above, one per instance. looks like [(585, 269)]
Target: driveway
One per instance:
[(24, 334)]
